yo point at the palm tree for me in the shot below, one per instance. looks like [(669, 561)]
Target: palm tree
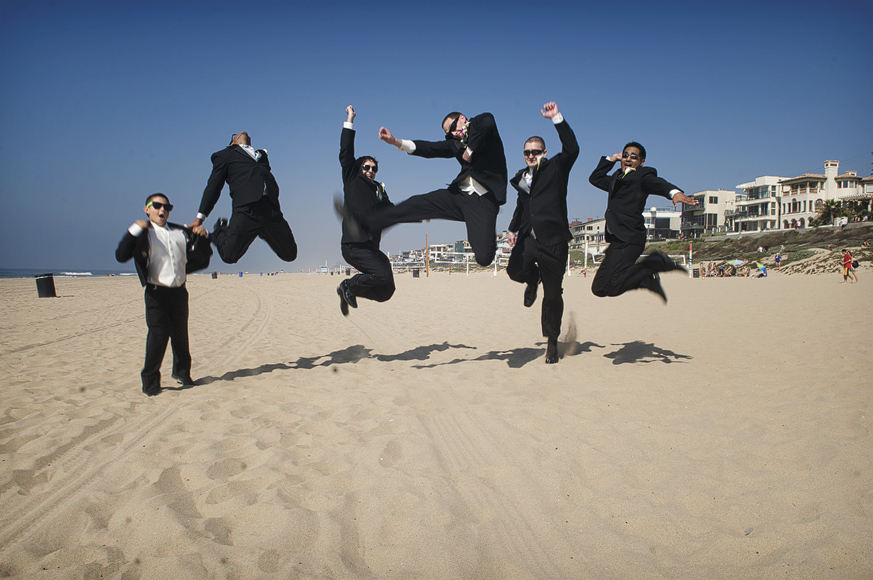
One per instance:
[(829, 210)]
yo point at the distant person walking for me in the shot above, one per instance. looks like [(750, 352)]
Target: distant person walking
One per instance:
[(628, 189), (848, 267)]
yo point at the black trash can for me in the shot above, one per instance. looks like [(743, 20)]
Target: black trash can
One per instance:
[(348, 271), (415, 272), (45, 286), (215, 275)]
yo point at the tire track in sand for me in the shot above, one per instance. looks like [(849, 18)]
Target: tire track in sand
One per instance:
[(71, 468)]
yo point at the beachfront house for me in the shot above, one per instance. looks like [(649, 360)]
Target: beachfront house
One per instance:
[(708, 216), (592, 231), (757, 208), (662, 223)]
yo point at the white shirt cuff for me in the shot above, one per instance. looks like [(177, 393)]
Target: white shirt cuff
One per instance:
[(673, 192), (135, 230), (347, 125), (407, 146), (469, 152), (559, 118), (201, 217)]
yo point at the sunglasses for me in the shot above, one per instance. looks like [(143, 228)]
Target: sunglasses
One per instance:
[(633, 156), (368, 167), (532, 152), (159, 205)]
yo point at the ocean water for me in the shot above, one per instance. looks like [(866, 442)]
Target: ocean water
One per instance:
[(31, 273)]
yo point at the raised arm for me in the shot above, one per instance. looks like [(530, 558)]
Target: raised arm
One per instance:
[(569, 145), (599, 178), (347, 146), (481, 128)]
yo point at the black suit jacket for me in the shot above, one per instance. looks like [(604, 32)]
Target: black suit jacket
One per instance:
[(198, 251), (627, 199), (545, 208), (359, 193), (248, 179), (488, 166)]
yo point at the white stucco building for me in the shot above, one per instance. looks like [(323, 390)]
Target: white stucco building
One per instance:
[(708, 216), (758, 207)]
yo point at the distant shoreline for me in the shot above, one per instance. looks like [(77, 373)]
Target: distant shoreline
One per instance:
[(60, 273)]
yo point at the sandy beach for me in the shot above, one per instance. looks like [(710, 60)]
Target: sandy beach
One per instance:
[(724, 435)]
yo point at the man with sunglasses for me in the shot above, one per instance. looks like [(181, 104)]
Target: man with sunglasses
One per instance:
[(164, 253), (255, 195), (473, 197), (362, 196), (628, 189), (539, 231)]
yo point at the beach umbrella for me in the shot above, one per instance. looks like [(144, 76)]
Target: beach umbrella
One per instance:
[(736, 263)]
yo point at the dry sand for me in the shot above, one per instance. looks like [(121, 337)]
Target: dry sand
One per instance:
[(725, 435)]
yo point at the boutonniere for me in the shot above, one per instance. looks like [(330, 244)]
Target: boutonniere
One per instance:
[(627, 171), (382, 183)]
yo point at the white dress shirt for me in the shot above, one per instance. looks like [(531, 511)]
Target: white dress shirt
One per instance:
[(167, 255), (251, 151)]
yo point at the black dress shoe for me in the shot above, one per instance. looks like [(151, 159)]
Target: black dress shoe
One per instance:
[(530, 294), (552, 352), (655, 286), (344, 306), (667, 265), (152, 391), (185, 381), (346, 294)]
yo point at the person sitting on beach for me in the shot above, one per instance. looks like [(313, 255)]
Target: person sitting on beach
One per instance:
[(628, 189), (163, 254)]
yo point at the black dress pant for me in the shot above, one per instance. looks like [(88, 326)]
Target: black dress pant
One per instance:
[(479, 212), (247, 222), (376, 280), (620, 272), (549, 263), (167, 320)]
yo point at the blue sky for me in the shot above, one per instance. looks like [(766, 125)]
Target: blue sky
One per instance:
[(103, 103)]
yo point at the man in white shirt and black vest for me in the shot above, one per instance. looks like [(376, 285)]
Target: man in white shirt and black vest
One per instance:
[(163, 254)]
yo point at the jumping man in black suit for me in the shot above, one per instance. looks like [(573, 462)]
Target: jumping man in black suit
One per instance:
[(255, 195), (539, 231), (628, 189), (362, 196), (473, 197), (163, 253)]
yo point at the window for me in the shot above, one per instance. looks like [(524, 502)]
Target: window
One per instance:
[(713, 199)]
